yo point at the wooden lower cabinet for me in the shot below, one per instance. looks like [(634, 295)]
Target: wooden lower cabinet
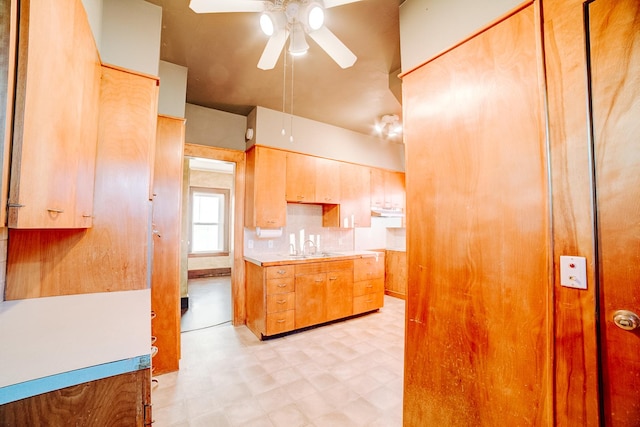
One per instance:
[(288, 297), (368, 286), (395, 279), (120, 400)]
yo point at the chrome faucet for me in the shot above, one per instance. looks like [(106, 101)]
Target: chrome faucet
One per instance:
[(292, 249), (304, 248)]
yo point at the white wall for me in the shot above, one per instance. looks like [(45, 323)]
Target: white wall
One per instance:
[(131, 35), (215, 128), (173, 89), (321, 139), (94, 14), (428, 27)]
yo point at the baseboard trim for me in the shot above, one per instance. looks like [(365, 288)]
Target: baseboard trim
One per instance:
[(209, 272)]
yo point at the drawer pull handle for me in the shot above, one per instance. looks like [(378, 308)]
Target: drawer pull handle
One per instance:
[(282, 271), (333, 278), (281, 320), (282, 285), (369, 286), (319, 280), (282, 301), (52, 210), (369, 300)]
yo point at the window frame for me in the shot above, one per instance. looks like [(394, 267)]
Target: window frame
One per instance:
[(226, 193)]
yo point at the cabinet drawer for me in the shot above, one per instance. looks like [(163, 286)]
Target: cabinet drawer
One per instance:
[(368, 268), (280, 286), (281, 302), (279, 271), (283, 321), (368, 302), (368, 287)]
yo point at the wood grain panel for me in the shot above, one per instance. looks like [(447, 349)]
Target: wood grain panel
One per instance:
[(56, 117), (112, 255), (478, 332), (301, 178), (339, 298), (615, 80), (327, 181), (114, 401), (165, 273), (576, 364), (8, 32), (255, 299), (395, 279)]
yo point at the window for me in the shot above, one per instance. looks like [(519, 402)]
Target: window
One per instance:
[(209, 221)]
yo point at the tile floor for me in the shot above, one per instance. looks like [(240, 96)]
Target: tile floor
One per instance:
[(348, 374)]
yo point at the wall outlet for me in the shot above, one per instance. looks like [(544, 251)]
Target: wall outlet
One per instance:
[(573, 272), (250, 243)]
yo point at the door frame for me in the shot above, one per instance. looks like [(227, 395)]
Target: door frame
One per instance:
[(238, 297)]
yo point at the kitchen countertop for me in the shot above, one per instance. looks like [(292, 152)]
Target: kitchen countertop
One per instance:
[(271, 259)]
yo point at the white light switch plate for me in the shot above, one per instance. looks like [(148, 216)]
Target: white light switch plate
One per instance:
[(573, 272)]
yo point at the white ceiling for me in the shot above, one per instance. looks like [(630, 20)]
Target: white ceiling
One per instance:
[(221, 52)]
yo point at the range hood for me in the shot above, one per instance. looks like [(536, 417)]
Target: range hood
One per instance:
[(386, 212)]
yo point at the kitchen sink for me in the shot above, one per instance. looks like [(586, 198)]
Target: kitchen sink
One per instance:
[(318, 255)]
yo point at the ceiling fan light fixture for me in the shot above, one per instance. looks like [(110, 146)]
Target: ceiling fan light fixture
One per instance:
[(314, 16), (266, 24), (298, 44)]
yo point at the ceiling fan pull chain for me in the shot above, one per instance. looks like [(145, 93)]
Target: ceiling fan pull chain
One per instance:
[(284, 91), (293, 61)]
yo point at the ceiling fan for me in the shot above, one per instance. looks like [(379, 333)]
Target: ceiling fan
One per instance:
[(284, 19)]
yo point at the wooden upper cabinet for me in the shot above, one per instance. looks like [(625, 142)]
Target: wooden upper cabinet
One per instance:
[(301, 178), (265, 203), (55, 118), (327, 181), (387, 189), (355, 196)]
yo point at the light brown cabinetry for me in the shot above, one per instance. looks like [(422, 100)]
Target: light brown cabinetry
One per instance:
[(395, 278), (113, 254), (355, 196), (270, 299), (56, 118), (387, 189), (327, 181), (368, 283), (301, 178), (324, 292), (265, 203), (165, 273)]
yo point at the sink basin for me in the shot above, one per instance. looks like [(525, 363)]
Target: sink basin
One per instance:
[(318, 255)]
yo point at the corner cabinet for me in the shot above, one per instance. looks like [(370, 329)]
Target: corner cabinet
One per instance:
[(55, 118), (265, 203)]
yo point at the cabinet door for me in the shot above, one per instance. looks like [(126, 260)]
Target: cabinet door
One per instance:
[(301, 178), (265, 204), (394, 190), (377, 188), (339, 299), (310, 299), (327, 181), (165, 273), (56, 118), (355, 196)]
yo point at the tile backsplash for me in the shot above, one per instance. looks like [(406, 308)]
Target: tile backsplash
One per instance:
[(306, 219)]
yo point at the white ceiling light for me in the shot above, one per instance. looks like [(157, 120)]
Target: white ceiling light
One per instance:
[(298, 44), (389, 126), (314, 16)]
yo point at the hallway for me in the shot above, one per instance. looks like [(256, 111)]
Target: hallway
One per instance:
[(348, 374), (209, 303)]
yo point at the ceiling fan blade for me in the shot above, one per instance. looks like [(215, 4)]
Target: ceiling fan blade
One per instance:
[(334, 47), (334, 3), (272, 50), (218, 6)]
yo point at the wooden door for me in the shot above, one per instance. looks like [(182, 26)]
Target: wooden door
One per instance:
[(614, 33), (478, 336), (165, 274)]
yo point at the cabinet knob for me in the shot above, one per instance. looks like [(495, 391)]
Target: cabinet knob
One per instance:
[(53, 210)]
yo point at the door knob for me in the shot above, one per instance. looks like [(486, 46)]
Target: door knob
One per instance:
[(627, 320)]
